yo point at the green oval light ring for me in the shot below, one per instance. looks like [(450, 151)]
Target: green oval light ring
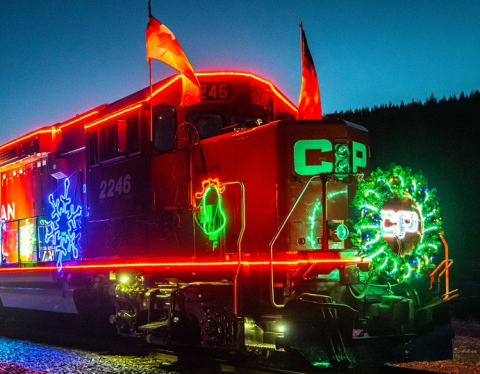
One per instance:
[(342, 232), (372, 193)]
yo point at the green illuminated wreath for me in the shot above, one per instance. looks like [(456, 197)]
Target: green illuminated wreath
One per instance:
[(395, 207)]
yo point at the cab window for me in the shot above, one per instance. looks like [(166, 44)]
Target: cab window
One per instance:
[(207, 124), (245, 122), (133, 135), (108, 143), (93, 147), (164, 127)]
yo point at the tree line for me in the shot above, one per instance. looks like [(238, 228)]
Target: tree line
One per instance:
[(440, 138)]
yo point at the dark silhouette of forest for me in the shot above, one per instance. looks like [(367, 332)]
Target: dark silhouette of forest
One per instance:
[(440, 138)]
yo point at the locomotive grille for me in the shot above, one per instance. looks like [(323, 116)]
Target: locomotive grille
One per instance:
[(8, 155)]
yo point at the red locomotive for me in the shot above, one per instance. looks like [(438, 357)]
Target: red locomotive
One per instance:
[(225, 225)]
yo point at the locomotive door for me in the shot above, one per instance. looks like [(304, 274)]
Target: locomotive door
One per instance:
[(118, 189)]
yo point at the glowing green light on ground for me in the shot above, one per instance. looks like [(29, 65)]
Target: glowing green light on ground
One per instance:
[(321, 364)]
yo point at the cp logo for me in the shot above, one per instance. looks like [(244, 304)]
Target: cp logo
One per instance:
[(397, 224), (359, 156)]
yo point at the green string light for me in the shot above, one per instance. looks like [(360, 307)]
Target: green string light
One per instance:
[(311, 237), (376, 190), (210, 224), (213, 217)]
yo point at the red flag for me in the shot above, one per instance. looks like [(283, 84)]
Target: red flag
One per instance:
[(309, 105), (163, 46)]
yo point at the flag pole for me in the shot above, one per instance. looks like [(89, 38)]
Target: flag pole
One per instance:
[(151, 83), (301, 39), (151, 99)]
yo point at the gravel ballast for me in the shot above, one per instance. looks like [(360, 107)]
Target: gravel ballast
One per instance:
[(18, 356)]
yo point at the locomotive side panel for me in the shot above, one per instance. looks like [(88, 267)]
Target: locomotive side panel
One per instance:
[(257, 167), (118, 187), (312, 148), (215, 159)]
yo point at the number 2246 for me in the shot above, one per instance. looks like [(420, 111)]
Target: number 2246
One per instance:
[(110, 188)]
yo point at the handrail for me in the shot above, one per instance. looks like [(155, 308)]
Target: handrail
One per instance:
[(239, 246), (275, 237), (445, 264)]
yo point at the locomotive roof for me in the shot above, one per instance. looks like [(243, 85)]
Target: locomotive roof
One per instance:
[(144, 94), (139, 97)]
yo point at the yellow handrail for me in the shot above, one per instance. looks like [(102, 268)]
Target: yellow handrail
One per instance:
[(445, 264)]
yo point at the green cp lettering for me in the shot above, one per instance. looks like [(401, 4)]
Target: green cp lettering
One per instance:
[(359, 156)]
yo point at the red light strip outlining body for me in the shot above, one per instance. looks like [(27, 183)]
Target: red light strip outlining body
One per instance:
[(134, 265), (44, 131), (77, 119), (280, 95), (52, 130), (168, 84), (177, 77), (139, 104), (113, 115)]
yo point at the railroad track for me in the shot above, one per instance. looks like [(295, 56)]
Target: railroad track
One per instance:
[(223, 366), (154, 360)]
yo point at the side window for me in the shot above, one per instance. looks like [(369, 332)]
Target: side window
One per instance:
[(245, 122), (207, 124), (133, 134), (108, 143), (28, 240), (10, 242), (164, 125), (93, 147)]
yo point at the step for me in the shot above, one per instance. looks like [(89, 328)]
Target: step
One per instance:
[(153, 326)]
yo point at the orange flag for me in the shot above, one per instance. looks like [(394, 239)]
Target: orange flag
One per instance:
[(163, 46), (309, 105)]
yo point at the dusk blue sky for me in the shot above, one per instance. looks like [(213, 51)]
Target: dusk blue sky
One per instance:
[(59, 58)]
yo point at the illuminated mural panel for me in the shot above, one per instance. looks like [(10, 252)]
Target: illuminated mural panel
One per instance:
[(10, 242), (64, 231), (28, 240), (210, 216)]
